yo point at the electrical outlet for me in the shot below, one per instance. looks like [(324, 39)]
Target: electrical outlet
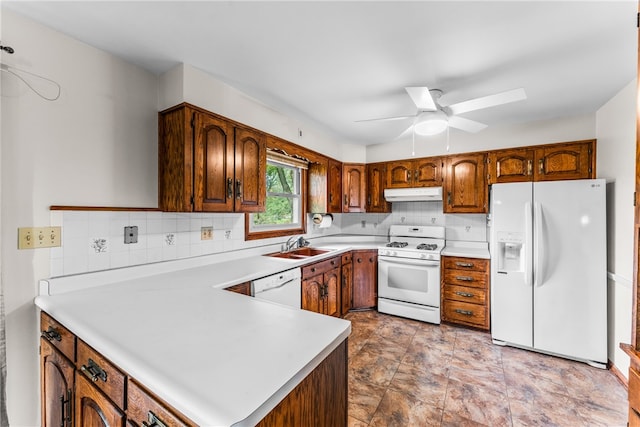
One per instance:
[(39, 237), (206, 233), (131, 234)]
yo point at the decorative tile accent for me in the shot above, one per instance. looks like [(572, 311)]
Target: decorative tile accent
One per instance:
[(170, 239), (99, 245)]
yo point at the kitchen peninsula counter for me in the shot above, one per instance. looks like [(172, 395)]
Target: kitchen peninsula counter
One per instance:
[(218, 357)]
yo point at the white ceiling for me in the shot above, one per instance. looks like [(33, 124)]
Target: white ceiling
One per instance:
[(332, 63)]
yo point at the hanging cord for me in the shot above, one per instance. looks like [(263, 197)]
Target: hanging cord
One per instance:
[(14, 71), (448, 139)]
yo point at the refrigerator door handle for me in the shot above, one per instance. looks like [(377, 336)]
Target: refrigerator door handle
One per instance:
[(528, 258), (539, 245)]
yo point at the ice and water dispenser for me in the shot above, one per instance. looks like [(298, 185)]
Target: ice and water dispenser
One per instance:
[(510, 251)]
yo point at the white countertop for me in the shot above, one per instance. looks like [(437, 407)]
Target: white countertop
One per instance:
[(468, 249), (220, 358)]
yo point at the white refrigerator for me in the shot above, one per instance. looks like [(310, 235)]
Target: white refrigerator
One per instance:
[(549, 268)]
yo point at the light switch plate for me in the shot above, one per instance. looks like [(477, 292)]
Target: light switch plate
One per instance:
[(39, 237)]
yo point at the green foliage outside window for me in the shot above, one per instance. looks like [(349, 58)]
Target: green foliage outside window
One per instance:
[(283, 196)]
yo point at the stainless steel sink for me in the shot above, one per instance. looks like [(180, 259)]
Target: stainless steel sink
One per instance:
[(300, 253)]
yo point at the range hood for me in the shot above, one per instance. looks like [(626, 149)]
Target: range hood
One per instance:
[(421, 194)]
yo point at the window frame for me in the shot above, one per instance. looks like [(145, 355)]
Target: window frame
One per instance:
[(302, 229)]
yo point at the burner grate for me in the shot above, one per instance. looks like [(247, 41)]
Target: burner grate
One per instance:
[(397, 244), (427, 246)]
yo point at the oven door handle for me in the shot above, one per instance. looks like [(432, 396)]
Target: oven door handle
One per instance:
[(409, 261)]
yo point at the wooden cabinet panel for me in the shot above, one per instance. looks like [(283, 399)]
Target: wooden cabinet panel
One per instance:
[(94, 409), (465, 184), (207, 163), (250, 171), (423, 172), (515, 165), (465, 297), (354, 187), (634, 394), (58, 336), (347, 284), (574, 160), (145, 409), (313, 293), (56, 386), (376, 178), (333, 291), (103, 374), (240, 288), (325, 187), (365, 279), (334, 176), (321, 287)]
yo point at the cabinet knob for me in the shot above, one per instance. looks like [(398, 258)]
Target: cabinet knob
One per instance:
[(313, 269), (359, 260)]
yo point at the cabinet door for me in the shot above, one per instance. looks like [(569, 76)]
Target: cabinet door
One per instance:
[(93, 409), (213, 170), (400, 174), (511, 166), (332, 292), (365, 279), (353, 183), (565, 161), (334, 188), (465, 184), (376, 177), (313, 293), (144, 409), (347, 283), (56, 385), (250, 171), (427, 172)]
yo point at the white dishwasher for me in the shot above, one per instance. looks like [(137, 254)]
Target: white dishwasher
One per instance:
[(284, 288)]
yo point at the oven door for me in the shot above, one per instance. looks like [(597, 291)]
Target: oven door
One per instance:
[(410, 280)]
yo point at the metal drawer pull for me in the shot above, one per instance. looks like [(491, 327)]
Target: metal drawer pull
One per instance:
[(464, 278), (153, 421), (63, 405), (229, 188), (465, 312), (94, 372), (464, 264), (464, 294), (51, 334), (238, 189)]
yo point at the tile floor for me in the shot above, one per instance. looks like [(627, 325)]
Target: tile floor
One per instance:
[(408, 373)]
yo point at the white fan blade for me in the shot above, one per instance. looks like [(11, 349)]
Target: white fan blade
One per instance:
[(466, 124), (422, 98), (386, 119), (407, 132), (488, 101)]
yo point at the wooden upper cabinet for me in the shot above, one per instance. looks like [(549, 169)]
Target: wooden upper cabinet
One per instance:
[(250, 170), (207, 163), (513, 165), (376, 178), (574, 160), (354, 187), (423, 172), (325, 187), (465, 184)]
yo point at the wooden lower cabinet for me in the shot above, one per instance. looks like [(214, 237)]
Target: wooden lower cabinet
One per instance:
[(465, 291), (144, 409), (93, 408), (321, 288), (347, 282), (56, 386), (240, 288), (634, 397), (365, 279)]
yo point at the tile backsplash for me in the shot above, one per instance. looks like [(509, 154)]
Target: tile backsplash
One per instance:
[(94, 240)]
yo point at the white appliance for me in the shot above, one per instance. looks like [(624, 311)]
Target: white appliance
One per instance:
[(418, 194), (283, 288), (409, 272), (549, 268)]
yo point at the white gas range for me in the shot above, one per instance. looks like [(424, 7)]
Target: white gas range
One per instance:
[(409, 272)]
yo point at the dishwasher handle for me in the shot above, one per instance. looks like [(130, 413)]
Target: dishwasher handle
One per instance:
[(276, 286)]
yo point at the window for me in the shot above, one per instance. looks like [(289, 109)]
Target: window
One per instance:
[(285, 211)]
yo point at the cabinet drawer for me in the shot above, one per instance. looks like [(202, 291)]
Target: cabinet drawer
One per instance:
[(634, 392), (143, 407), (101, 372), (346, 258), (473, 279), (320, 267), (458, 263), (58, 335), (465, 294), (463, 312)]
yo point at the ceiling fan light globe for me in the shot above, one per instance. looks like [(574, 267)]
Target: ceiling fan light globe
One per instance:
[(431, 123)]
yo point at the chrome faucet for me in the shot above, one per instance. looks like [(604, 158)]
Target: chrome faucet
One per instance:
[(289, 245)]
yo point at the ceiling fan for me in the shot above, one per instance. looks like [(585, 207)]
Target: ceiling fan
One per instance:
[(433, 118)]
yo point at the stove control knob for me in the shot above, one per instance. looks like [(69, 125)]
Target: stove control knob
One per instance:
[(423, 256), (393, 253)]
